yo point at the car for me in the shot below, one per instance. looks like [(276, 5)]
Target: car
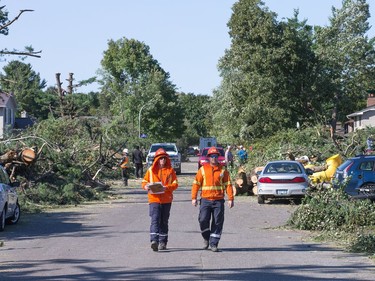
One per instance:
[(191, 151), (204, 159), (9, 206), (283, 179), (357, 175), (172, 151)]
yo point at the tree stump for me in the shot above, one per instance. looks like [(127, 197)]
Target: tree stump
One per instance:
[(241, 185)]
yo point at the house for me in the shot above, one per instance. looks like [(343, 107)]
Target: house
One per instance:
[(8, 109), (363, 118)]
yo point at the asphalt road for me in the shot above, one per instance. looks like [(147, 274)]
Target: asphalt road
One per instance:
[(110, 241)]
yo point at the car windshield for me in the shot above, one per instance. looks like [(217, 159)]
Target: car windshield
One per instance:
[(169, 147), (283, 168)]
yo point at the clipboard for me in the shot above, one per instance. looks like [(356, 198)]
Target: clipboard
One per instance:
[(156, 188)]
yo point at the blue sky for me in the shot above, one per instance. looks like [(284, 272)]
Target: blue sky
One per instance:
[(187, 37)]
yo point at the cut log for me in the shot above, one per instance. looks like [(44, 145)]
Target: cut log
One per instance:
[(255, 190), (239, 182), (242, 186), (8, 157), (254, 179), (28, 156)]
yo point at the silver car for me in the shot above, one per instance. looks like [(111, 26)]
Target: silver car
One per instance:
[(282, 179), (9, 206), (172, 151)]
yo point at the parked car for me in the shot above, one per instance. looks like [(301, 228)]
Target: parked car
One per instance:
[(357, 174), (191, 151), (172, 151), (283, 179), (9, 207), (204, 159)]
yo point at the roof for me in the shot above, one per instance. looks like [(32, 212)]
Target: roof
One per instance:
[(5, 98), (361, 112)]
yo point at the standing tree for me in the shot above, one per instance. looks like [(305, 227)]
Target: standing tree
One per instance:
[(348, 58), (268, 74), (138, 91), (26, 85), (197, 114)]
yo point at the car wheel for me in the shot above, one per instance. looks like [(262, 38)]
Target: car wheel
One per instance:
[(2, 220), (261, 199), (16, 215), (367, 189), (297, 201)]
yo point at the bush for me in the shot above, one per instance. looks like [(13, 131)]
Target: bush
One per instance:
[(364, 243), (328, 209), (331, 212)]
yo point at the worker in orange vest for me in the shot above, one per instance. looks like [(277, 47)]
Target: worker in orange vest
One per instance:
[(124, 165), (214, 181), (160, 181)]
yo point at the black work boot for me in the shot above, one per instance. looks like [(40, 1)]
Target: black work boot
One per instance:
[(154, 246), (214, 248), (162, 246)]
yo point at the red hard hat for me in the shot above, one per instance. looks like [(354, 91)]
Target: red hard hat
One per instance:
[(213, 150)]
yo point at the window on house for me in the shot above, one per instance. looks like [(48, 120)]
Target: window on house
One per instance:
[(11, 115)]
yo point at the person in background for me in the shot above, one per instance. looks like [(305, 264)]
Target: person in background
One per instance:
[(370, 144), (242, 155), (214, 181), (229, 157), (160, 204), (124, 165), (137, 159)]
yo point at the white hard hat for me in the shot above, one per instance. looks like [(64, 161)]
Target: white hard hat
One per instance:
[(303, 158), (125, 150)]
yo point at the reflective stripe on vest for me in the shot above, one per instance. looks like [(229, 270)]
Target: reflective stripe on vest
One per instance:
[(213, 187)]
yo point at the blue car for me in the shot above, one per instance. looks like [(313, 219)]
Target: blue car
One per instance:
[(357, 174)]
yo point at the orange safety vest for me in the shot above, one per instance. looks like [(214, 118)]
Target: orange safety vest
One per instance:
[(124, 163), (167, 176), (213, 181)]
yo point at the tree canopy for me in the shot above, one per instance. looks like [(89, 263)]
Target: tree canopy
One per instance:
[(138, 91), (278, 73)]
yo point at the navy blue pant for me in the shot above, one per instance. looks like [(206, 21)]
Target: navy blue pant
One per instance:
[(138, 170), (159, 214), (211, 211)]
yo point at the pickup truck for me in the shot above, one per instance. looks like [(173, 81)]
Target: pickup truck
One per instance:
[(172, 151)]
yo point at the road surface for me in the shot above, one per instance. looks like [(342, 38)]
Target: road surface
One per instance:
[(110, 241)]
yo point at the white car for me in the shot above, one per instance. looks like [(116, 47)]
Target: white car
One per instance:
[(172, 151), (9, 207), (282, 179)]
